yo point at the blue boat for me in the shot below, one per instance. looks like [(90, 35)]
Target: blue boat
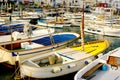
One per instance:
[(53, 40), (36, 46), (56, 38), (7, 29)]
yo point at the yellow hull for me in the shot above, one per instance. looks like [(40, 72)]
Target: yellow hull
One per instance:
[(94, 47)]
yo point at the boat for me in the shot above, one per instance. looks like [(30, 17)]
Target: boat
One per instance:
[(34, 46), (49, 23), (28, 31), (54, 22), (103, 25), (6, 29), (106, 67), (103, 29), (61, 62), (74, 18), (16, 25)]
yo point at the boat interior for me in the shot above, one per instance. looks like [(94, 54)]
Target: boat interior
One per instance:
[(104, 71), (56, 58), (27, 45), (53, 59)]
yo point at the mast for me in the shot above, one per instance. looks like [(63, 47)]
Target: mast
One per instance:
[(1, 8), (68, 6), (17, 68), (112, 13), (82, 29)]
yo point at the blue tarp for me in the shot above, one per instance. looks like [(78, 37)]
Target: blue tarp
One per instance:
[(57, 39)]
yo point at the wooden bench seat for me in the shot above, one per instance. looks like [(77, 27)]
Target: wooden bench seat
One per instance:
[(88, 73)]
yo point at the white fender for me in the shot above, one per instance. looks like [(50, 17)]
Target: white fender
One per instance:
[(15, 35), (56, 69)]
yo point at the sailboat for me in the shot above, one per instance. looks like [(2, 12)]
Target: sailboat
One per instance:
[(62, 61), (55, 22), (108, 27), (33, 46), (106, 67), (14, 33)]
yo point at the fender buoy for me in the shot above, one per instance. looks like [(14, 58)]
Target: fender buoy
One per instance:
[(56, 70), (71, 65), (88, 61)]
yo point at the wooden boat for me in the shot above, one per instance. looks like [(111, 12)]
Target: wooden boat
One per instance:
[(50, 24), (103, 25), (74, 18), (34, 46), (25, 33), (63, 61), (6, 29), (54, 22), (103, 29), (106, 67)]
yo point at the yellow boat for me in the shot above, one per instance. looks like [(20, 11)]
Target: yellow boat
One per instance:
[(62, 61), (94, 47)]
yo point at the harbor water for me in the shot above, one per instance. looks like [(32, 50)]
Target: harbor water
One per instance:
[(7, 74)]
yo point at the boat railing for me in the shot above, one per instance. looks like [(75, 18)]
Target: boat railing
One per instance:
[(29, 62)]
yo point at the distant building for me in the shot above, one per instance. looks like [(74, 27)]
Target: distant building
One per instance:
[(111, 3)]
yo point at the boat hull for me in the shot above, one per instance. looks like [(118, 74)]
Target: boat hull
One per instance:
[(48, 72), (73, 60), (109, 69), (33, 49), (109, 31)]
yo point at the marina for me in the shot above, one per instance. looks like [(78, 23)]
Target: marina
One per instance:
[(59, 40), (88, 37)]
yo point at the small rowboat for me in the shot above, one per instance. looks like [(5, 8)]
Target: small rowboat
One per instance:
[(106, 67), (63, 61)]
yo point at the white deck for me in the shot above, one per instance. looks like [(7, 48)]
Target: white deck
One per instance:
[(116, 54), (110, 74), (77, 55), (38, 32)]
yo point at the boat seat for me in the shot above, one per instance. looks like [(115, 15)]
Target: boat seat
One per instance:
[(59, 59), (51, 59), (88, 73), (55, 59)]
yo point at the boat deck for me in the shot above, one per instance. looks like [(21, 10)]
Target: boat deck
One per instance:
[(113, 73), (74, 54), (68, 55)]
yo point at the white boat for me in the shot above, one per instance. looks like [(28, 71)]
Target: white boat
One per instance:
[(53, 25), (34, 46), (103, 24), (39, 31), (54, 22), (61, 62), (74, 18), (106, 67), (103, 29)]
